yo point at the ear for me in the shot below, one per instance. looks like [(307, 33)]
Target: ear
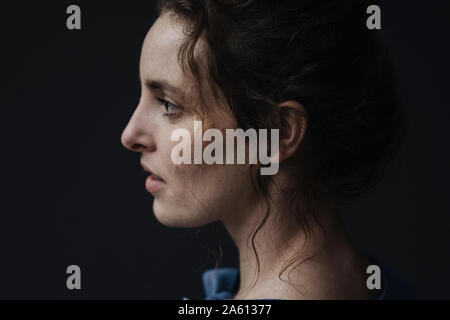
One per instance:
[(292, 121)]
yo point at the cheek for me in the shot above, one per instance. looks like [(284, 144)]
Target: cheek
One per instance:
[(198, 194), (210, 192)]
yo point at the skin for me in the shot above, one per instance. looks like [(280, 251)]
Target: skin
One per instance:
[(195, 195)]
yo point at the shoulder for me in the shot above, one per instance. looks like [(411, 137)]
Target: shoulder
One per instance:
[(222, 283)]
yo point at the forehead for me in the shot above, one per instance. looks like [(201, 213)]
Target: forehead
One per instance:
[(159, 51), (159, 61)]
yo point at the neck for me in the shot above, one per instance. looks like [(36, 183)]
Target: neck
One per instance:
[(330, 268)]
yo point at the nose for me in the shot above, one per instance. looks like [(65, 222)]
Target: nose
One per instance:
[(137, 135)]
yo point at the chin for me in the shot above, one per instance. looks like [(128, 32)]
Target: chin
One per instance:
[(177, 217)]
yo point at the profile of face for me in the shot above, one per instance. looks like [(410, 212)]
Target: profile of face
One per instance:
[(185, 195)]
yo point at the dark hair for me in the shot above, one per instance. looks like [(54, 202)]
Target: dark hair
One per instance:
[(319, 53)]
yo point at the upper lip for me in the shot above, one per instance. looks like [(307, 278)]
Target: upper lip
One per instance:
[(146, 169)]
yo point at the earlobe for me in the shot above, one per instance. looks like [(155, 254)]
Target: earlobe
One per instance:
[(293, 123)]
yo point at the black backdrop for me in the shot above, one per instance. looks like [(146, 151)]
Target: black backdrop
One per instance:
[(71, 194)]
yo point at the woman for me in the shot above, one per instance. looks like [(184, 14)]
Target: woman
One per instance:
[(312, 70)]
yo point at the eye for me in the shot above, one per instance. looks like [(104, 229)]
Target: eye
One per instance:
[(171, 109)]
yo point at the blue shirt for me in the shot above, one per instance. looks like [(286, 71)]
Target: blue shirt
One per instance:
[(222, 283)]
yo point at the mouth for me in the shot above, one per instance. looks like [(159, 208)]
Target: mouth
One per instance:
[(156, 177), (152, 174), (154, 183)]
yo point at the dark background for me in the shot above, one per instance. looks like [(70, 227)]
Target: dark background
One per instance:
[(71, 194)]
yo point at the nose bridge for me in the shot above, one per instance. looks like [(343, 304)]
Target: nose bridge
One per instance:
[(137, 134)]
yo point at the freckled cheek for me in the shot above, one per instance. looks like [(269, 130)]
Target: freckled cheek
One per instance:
[(177, 173), (199, 178), (199, 181)]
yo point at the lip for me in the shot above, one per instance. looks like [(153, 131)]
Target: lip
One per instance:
[(152, 184)]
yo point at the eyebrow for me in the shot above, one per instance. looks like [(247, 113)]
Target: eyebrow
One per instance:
[(163, 85)]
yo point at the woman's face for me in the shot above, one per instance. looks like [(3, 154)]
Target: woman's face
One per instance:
[(190, 195)]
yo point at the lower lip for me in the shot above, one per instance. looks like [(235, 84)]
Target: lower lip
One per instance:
[(153, 185)]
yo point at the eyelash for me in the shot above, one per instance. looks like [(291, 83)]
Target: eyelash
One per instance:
[(169, 105)]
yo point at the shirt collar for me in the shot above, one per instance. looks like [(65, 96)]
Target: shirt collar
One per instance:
[(220, 283)]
